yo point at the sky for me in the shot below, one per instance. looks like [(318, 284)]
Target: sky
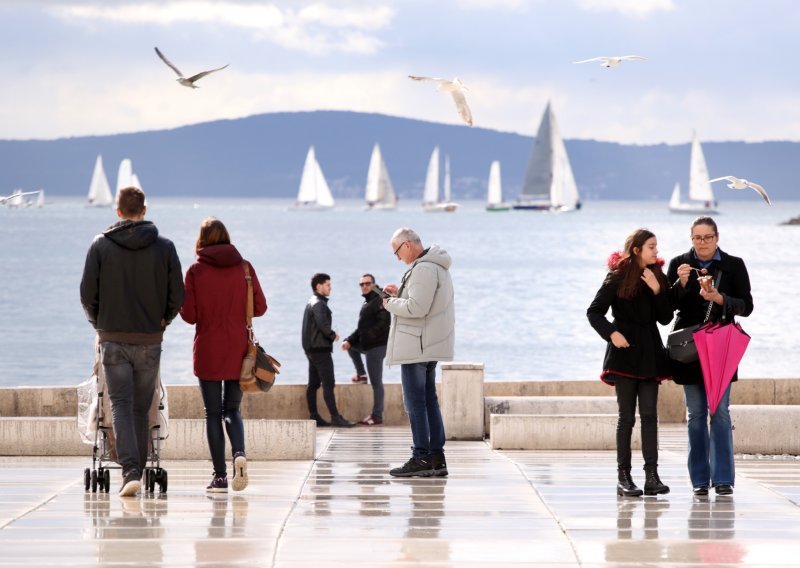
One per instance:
[(725, 68)]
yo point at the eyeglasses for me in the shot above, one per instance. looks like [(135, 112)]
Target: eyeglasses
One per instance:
[(703, 238), (398, 249), (365, 283)]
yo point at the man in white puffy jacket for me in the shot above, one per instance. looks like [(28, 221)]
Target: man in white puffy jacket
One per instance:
[(422, 333)]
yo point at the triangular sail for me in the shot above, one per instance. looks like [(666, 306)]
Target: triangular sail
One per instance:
[(40, 199), (431, 194), (307, 192), (447, 179), (124, 176), (675, 199), (699, 186), (324, 196), (99, 190), (135, 181), (495, 193), (564, 193), (379, 191)]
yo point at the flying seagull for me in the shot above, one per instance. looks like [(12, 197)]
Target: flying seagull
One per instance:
[(13, 195), (612, 61), (739, 183), (181, 79), (456, 89)]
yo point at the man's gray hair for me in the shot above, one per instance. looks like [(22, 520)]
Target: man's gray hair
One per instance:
[(406, 234)]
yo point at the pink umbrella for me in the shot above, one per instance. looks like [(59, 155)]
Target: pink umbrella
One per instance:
[(720, 348)]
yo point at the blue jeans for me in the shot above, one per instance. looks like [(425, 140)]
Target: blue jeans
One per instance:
[(131, 373), (222, 407), (422, 406), (710, 454), (374, 371)]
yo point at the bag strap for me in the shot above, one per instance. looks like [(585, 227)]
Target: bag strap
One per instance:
[(249, 325), (710, 303)]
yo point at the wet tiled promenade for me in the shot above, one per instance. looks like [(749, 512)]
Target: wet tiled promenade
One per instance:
[(495, 509)]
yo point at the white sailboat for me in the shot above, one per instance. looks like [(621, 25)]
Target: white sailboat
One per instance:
[(430, 198), (99, 191), (494, 197), (314, 193), (549, 182), (701, 195), (379, 193), (124, 177), (40, 199)]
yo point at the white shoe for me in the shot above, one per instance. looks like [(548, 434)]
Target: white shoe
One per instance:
[(239, 472)]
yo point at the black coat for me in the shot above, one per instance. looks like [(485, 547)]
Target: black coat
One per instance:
[(373, 324), (635, 318), (317, 320), (734, 284)]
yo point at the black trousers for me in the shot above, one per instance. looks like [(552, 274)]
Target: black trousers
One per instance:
[(320, 372), (628, 392)]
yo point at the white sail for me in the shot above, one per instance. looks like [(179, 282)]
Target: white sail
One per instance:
[(124, 176), (99, 191), (135, 181), (699, 186), (675, 199), (446, 178), (549, 182), (379, 193), (40, 199), (431, 194), (314, 192), (495, 193)]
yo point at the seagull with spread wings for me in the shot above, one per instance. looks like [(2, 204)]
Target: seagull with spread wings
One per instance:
[(614, 61), (183, 80), (456, 89), (740, 183)]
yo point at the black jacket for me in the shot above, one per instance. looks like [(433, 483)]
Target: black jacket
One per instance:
[(131, 280), (373, 324), (636, 319), (317, 320), (734, 284)]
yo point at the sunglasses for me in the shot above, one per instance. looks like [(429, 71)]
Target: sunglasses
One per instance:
[(365, 283)]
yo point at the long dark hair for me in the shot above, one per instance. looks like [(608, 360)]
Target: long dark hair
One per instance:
[(212, 232), (625, 265)]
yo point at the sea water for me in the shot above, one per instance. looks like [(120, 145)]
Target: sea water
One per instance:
[(523, 280)]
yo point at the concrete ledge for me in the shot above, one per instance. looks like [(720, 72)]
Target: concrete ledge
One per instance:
[(562, 432), (760, 429), (264, 439), (547, 405)]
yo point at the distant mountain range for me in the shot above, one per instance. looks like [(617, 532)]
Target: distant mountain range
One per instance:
[(263, 155)]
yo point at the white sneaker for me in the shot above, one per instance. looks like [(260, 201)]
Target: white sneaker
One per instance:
[(130, 486), (239, 472)]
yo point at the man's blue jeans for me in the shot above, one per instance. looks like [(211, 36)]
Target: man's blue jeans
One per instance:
[(422, 406), (710, 451), (131, 373), (374, 371)]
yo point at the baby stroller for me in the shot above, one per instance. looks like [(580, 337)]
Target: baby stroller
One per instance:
[(95, 427)]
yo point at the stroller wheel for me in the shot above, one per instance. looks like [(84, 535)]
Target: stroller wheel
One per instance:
[(100, 479), (94, 481), (86, 479), (162, 483), (106, 480), (152, 485)]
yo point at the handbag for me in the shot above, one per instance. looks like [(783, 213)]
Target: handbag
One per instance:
[(258, 368), (680, 342)]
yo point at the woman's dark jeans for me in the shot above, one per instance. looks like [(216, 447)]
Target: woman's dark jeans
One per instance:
[(628, 392), (222, 406)]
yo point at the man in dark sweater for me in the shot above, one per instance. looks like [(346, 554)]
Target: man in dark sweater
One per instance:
[(132, 288), (369, 339), (318, 338)]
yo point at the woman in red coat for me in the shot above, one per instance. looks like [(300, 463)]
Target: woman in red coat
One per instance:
[(216, 302)]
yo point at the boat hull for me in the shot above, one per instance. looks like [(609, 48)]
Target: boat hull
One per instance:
[(690, 209)]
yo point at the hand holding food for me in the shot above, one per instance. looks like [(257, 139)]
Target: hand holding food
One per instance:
[(705, 282)]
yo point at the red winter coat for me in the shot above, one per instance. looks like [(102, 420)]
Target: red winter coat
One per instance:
[(216, 301)]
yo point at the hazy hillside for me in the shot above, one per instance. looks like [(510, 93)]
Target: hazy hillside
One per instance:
[(263, 155)]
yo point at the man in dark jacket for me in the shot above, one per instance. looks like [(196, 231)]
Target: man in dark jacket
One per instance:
[(370, 338), (318, 338), (132, 288)]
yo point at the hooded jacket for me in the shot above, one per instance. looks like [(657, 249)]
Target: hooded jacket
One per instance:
[(373, 324), (216, 302), (131, 281), (734, 284), (636, 318), (423, 326)]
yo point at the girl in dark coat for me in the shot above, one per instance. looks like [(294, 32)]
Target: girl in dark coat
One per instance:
[(710, 450), (216, 301), (635, 362)]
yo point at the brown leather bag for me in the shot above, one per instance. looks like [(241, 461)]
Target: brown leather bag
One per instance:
[(258, 368)]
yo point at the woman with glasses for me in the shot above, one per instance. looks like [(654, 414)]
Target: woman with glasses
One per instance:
[(727, 295), (635, 363)]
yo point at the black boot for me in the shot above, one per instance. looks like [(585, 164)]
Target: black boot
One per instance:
[(625, 486), (652, 483)]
